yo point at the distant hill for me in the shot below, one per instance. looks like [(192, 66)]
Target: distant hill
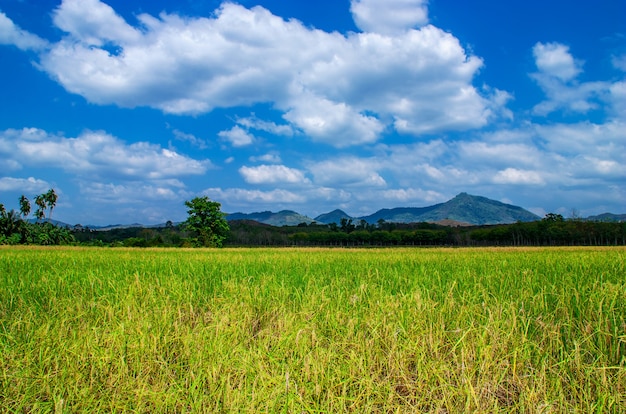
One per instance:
[(608, 217), (282, 218), (334, 216), (54, 222), (463, 208)]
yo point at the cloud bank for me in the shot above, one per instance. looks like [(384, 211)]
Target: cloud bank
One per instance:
[(399, 73)]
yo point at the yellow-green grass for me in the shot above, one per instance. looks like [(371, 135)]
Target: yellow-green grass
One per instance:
[(313, 330)]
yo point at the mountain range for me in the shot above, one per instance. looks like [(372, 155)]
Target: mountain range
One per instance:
[(464, 209)]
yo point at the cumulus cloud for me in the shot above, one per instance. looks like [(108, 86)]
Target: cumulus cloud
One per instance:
[(571, 140), (501, 154), (129, 192), (242, 196), (554, 59), (93, 23), (412, 195), (97, 154), (389, 16), (28, 185), (10, 34), (347, 171), (271, 174), (557, 77), (338, 89), (516, 176), (237, 136), (335, 123)]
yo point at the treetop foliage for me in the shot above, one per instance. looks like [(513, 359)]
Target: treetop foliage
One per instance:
[(207, 222)]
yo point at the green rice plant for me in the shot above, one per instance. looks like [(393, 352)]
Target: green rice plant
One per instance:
[(312, 330)]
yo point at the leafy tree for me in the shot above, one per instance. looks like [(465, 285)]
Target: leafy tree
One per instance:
[(553, 218), (207, 221), (347, 226), (10, 225)]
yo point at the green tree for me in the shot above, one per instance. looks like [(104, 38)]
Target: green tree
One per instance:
[(207, 221), (24, 206), (40, 202), (51, 201)]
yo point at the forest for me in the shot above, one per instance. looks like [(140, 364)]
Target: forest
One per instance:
[(206, 226), (552, 230)]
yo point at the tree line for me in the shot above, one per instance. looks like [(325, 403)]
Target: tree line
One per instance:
[(206, 226), (550, 231), (15, 227)]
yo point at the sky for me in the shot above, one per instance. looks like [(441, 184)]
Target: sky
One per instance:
[(129, 108)]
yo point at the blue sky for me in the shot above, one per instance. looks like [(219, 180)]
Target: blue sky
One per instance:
[(128, 109)]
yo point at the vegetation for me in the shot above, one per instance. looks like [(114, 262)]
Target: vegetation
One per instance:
[(550, 231), (16, 229), (206, 226), (206, 221), (313, 330)]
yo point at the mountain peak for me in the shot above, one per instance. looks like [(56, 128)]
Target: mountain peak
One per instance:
[(334, 216), (463, 208)]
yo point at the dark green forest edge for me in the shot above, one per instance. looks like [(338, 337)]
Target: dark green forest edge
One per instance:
[(206, 226)]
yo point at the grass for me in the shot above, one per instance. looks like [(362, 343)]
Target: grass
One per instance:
[(313, 330)]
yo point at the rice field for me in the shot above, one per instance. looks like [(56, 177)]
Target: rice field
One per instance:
[(529, 330)]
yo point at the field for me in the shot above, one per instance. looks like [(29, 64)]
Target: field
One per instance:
[(313, 330)]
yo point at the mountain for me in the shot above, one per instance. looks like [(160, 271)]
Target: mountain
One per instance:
[(608, 217), (54, 222), (463, 208), (282, 218), (334, 216)]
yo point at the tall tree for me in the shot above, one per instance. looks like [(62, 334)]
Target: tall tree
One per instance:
[(51, 201), (40, 202), (24, 206), (207, 221)]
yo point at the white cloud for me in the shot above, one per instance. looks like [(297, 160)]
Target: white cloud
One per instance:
[(516, 176), (554, 59), (270, 157), (261, 125), (557, 75), (348, 171), (412, 195), (338, 89), (571, 140), (11, 34), (28, 185), (237, 136), (389, 16), (93, 22), (246, 197), (190, 138), (271, 174), (500, 154), (97, 154), (132, 192), (334, 123)]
